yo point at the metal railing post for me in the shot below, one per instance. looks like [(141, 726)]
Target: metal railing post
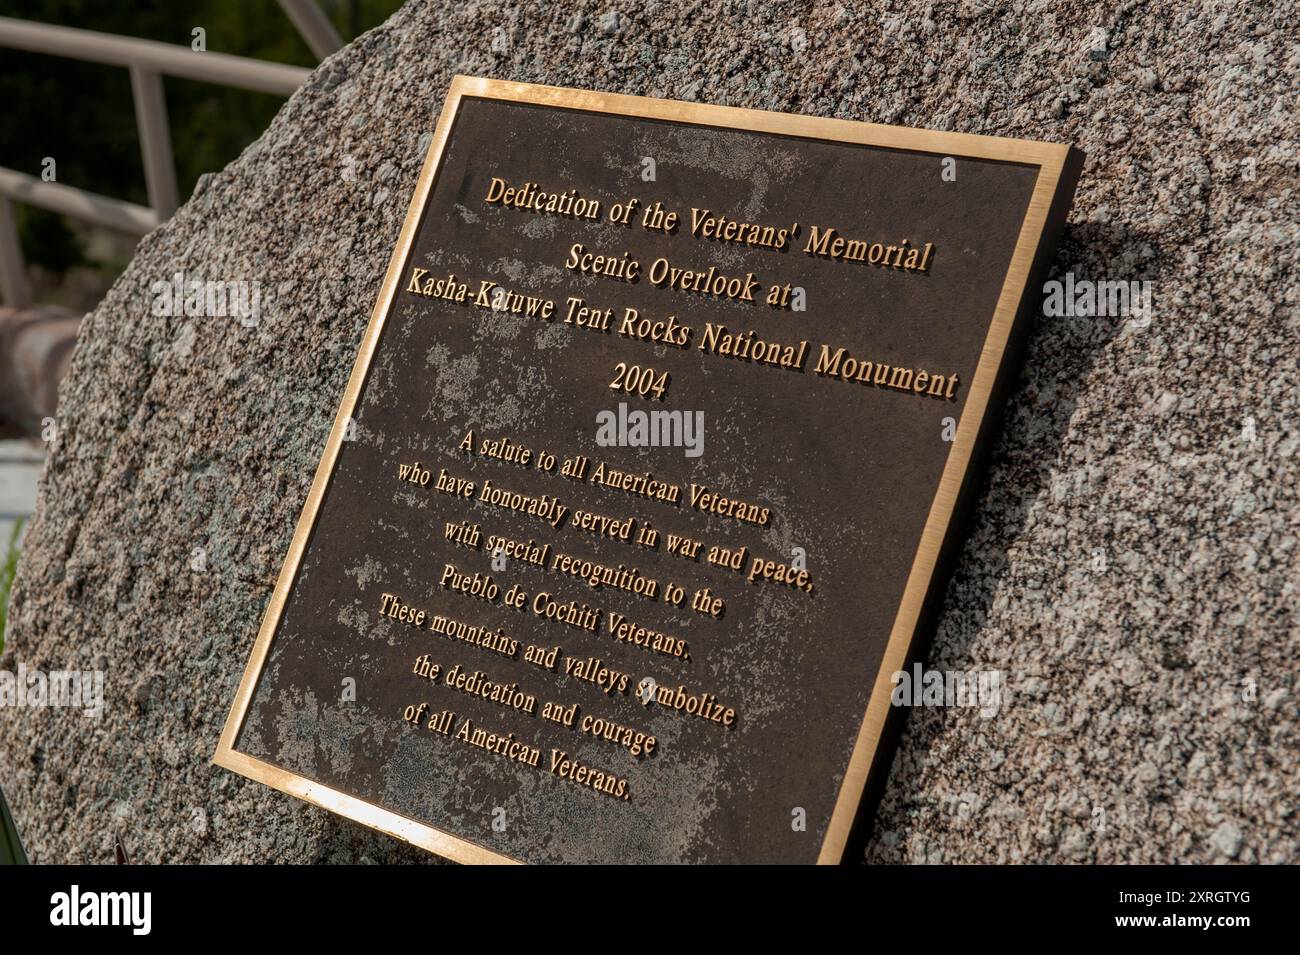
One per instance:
[(13, 278), (313, 26), (155, 140)]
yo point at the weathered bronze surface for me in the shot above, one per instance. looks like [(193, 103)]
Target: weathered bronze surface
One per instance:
[(362, 698)]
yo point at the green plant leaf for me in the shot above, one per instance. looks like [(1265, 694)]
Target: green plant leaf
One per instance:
[(11, 847), (8, 568)]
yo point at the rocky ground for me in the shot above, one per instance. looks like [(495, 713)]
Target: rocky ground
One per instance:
[(1132, 563)]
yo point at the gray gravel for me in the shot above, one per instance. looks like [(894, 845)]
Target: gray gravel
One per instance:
[(1132, 564)]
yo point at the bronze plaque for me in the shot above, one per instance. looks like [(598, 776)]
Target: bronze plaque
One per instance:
[(645, 476)]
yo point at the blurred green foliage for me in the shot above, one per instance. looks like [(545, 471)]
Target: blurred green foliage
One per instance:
[(8, 567), (11, 847), (81, 114)]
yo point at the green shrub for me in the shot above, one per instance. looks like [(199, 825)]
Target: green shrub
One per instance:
[(7, 570), (11, 849)]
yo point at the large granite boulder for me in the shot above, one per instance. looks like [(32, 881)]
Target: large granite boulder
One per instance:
[(1132, 564)]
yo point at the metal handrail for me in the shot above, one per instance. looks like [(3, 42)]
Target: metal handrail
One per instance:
[(70, 201), (148, 62), (165, 58)]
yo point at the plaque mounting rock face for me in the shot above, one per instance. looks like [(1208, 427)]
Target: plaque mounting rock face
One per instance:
[(644, 480)]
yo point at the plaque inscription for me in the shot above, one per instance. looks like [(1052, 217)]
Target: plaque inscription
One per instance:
[(643, 482)]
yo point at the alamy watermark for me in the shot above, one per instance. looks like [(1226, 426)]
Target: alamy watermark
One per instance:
[(83, 689), (208, 298), (651, 429), (1081, 298), (133, 910), (922, 687)]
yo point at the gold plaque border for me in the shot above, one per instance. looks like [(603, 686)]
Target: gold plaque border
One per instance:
[(1050, 159)]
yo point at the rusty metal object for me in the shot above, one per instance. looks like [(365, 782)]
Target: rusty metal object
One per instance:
[(35, 348)]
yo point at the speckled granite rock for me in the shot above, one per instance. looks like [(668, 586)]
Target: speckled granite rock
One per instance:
[(1132, 565)]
